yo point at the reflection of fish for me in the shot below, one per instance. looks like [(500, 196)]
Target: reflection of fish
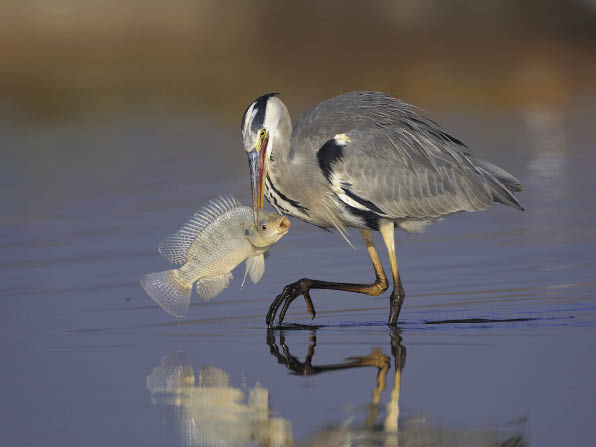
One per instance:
[(211, 244), (213, 413)]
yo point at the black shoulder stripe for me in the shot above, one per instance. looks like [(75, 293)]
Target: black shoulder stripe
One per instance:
[(329, 154), (366, 203), (370, 219)]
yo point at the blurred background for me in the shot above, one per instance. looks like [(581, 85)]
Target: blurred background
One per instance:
[(119, 118), (65, 58)]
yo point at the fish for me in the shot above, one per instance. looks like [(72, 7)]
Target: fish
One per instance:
[(218, 237)]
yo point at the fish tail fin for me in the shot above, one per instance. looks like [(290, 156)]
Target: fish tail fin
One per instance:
[(166, 289)]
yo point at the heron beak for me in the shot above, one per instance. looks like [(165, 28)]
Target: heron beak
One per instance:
[(253, 164), (258, 163)]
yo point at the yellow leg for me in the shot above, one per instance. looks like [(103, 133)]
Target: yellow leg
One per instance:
[(380, 285), (304, 285), (387, 228)]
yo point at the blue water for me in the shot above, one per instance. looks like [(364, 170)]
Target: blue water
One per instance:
[(496, 338)]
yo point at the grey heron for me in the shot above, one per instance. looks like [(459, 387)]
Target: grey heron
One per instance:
[(369, 161)]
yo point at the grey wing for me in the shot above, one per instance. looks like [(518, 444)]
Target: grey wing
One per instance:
[(396, 160), (405, 173)]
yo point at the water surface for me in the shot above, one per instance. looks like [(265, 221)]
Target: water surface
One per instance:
[(495, 341)]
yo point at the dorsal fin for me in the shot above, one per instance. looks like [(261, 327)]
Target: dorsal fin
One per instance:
[(175, 247)]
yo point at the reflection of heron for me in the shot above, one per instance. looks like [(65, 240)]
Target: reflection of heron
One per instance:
[(413, 431), (369, 161), (373, 431), (213, 413)]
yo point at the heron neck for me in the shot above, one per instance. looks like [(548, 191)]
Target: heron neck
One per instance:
[(281, 191), (280, 149)]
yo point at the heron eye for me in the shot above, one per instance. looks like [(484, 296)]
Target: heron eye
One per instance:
[(262, 133)]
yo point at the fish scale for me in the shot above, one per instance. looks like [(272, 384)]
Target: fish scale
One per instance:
[(220, 245)]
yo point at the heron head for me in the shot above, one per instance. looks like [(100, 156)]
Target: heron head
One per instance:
[(259, 126)]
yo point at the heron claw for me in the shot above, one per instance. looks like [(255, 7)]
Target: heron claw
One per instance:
[(289, 294)]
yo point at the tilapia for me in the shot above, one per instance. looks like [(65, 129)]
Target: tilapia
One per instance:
[(218, 237)]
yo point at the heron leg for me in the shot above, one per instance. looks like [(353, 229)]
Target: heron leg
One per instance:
[(398, 295), (304, 285)]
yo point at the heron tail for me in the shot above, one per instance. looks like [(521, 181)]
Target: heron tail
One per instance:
[(167, 290), (501, 192), (509, 181)]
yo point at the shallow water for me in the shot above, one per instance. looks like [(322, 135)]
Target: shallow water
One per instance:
[(495, 344)]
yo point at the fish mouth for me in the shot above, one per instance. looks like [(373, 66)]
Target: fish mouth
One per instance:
[(284, 224)]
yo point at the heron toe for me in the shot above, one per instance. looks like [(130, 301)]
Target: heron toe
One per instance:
[(289, 294)]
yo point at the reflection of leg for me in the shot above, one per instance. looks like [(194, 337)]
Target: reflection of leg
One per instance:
[(381, 361), (292, 362), (375, 358), (399, 355), (393, 405)]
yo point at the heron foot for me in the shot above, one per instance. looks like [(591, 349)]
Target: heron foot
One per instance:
[(289, 294), (396, 300)]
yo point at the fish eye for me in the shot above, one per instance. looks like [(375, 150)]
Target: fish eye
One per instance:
[(263, 227)]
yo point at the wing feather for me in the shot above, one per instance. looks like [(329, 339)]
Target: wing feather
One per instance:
[(399, 160), (410, 178)]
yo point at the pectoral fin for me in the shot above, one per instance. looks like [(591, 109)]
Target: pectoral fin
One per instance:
[(208, 288), (255, 267)]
